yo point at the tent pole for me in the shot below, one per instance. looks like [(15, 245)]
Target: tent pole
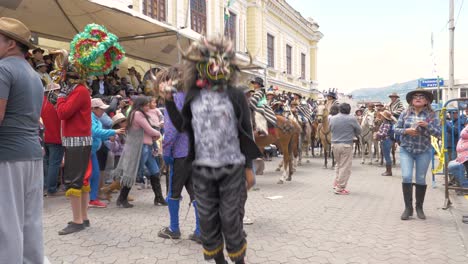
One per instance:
[(66, 16)]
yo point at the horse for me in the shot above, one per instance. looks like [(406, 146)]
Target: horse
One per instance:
[(286, 137), (305, 141), (366, 137), (324, 133), (314, 142), (357, 146)]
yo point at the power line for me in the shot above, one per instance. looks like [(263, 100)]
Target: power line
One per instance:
[(459, 11)]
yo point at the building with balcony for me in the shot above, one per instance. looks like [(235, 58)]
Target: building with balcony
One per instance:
[(281, 41)]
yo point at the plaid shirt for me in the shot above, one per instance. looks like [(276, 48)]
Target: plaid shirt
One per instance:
[(384, 128), (422, 142)]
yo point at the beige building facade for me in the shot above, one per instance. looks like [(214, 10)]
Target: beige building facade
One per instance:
[(282, 43)]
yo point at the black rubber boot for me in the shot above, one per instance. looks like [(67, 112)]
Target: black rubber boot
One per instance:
[(219, 259), (388, 172), (156, 185), (122, 201), (420, 194), (408, 198)]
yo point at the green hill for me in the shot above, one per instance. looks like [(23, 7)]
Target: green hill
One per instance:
[(381, 93)]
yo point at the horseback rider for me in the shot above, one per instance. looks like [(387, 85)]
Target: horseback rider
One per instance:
[(270, 95), (332, 99), (395, 106), (258, 103)]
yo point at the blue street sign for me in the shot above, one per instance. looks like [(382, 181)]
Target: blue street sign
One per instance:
[(424, 83)]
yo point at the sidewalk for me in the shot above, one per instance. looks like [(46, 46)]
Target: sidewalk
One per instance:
[(306, 223)]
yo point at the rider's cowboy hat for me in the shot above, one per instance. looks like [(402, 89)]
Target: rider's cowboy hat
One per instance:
[(393, 95), (270, 93), (257, 80), (379, 104), (299, 95), (295, 102), (387, 115), (359, 110), (16, 30), (429, 96)]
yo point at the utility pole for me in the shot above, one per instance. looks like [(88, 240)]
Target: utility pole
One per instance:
[(451, 52)]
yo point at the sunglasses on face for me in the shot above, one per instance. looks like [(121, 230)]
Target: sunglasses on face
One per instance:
[(419, 96)]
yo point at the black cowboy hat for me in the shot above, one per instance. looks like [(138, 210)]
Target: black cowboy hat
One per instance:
[(428, 94), (257, 80)]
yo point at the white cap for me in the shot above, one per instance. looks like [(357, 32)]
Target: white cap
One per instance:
[(97, 102)]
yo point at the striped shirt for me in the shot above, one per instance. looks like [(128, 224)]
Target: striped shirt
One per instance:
[(263, 109), (396, 108), (77, 141)]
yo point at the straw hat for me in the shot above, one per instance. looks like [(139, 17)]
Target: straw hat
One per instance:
[(388, 115), (117, 119), (393, 95), (16, 30), (52, 87)]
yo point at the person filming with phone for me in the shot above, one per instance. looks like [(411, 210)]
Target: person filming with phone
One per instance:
[(415, 126)]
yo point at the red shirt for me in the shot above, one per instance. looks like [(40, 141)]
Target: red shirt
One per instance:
[(75, 113), (51, 123)]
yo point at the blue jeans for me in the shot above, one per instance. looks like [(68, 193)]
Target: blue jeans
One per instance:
[(408, 160), (387, 148), (94, 180), (149, 161), (52, 160)]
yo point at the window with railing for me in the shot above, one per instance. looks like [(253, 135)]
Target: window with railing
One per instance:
[(230, 29), (303, 65), (288, 59), (155, 9), (198, 15), (271, 50)]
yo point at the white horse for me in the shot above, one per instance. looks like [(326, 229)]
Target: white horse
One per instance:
[(366, 137)]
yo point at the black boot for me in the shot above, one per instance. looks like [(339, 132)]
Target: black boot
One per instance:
[(122, 201), (156, 185), (408, 198), (420, 193), (388, 172)]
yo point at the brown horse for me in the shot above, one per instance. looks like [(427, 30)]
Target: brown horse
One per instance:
[(286, 138), (324, 133)]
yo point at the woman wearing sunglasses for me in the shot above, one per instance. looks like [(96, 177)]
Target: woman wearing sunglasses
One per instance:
[(415, 126)]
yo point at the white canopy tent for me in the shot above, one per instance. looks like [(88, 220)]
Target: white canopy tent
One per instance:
[(143, 38)]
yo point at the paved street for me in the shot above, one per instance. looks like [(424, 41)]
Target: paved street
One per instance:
[(306, 224)]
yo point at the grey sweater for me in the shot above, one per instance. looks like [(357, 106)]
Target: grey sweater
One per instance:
[(344, 128)]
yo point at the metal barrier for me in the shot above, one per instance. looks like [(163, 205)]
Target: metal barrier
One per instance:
[(450, 135)]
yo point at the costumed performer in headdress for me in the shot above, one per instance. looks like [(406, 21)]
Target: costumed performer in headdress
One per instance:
[(175, 152), (93, 51), (216, 117)]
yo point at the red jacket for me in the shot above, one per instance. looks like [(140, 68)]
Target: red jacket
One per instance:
[(51, 123), (75, 113)]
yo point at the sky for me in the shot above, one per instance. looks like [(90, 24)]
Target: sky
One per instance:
[(376, 43)]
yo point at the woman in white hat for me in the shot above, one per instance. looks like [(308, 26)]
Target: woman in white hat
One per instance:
[(385, 135)]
